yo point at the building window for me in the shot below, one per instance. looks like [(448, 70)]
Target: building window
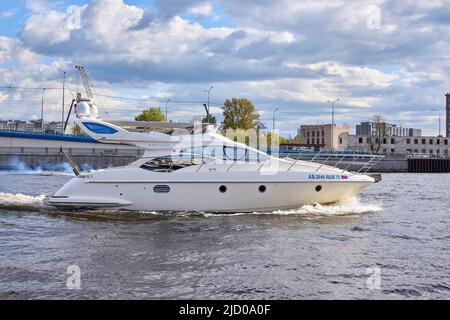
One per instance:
[(323, 141), (307, 134), (446, 142), (368, 140), (424, 151), (340, 140), (438, 141), (392, 141), (416, 141), (431, 151), (384, 141), (318, 133), (392, 151), (318, 141), (408, 141), (312, 134), (307, 141), (360, 140), (423, 141), (431, 141), (323, 133)]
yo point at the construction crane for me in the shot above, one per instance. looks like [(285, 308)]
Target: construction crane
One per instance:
[(86, 83)]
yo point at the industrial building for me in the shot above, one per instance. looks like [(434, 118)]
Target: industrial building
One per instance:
[(324, 136), (424, 145), (395, 140), (368, 128), (447, 114)]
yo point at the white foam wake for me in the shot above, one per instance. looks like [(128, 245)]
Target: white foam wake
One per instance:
[(21, 201), (347, 207), (350, 206)]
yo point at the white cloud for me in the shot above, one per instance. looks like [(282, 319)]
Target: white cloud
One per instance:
[(7, 14), (204, 9), (38, 6)]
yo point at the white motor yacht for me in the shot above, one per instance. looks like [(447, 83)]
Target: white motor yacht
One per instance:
[(202, 172)]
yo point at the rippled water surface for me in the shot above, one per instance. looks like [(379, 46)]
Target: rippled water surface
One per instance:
[(400, 226)]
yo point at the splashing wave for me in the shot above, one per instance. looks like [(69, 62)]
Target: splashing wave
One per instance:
[(350, 206), (21, 201), (347, 207)]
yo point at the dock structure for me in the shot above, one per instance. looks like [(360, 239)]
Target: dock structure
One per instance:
[(44, 151), (429, 165)]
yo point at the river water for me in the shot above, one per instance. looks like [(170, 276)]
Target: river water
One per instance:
[(392, 242)]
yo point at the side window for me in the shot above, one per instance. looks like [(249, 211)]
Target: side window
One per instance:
[(235, 153)]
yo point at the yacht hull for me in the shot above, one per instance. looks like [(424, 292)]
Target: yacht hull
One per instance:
[(204, 196)]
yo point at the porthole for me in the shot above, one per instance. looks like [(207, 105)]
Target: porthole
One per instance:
[(223, 189), (161, 188), (262, 188), (318, 188)]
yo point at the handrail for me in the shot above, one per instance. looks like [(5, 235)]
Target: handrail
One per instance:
[(322, 164), (364, 162), (348, 166), (292, 165), (262, 164)]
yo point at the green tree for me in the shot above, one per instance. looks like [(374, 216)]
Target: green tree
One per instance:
[(151, 114), (278, 139), (209, 119), (239, 114), (76, 130)]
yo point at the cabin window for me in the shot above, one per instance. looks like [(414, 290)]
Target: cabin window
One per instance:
[(262, 188), (99, 128), (224, 153), (166, 164), (161, 188), (223, 189)]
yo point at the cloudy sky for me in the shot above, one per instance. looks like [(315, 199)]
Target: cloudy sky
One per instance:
[(386, 57)]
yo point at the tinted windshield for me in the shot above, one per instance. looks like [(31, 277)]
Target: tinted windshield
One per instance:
[(224, 153)]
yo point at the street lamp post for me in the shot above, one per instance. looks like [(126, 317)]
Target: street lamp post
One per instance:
[(208, 91), (167, 102), (439, 126), (63, 103), (332, 121), (273, 120), (42, 110)]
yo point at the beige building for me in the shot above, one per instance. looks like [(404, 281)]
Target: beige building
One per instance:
[(323, 137)]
